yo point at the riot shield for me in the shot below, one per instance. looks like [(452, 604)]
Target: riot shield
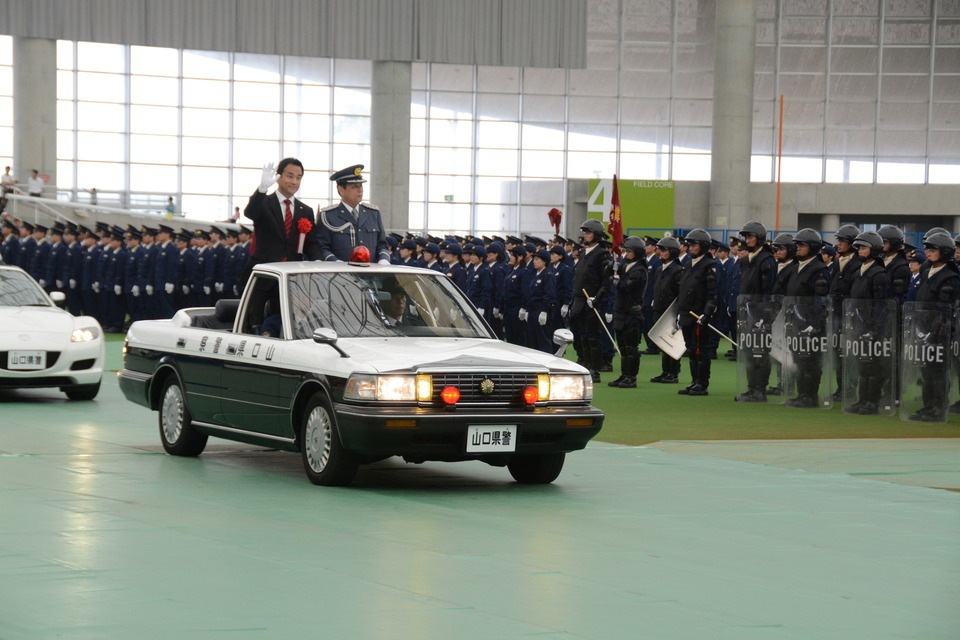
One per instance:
[(666, 333), (926, 379), (869, 356), (955, 370), (755, 334), (808, 329)]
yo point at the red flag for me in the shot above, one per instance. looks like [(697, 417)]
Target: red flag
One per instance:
[(615, 227), (555, 216)]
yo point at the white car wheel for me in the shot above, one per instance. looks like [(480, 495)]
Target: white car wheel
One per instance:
[(324, 459)]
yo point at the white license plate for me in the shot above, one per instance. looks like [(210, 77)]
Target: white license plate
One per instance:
[(26, 360), (491, 438)]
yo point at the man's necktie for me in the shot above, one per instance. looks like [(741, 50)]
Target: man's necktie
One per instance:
[(287, 218)]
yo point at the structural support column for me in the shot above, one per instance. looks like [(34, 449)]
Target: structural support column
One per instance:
[(830, 222), (390, 142), (35, 108), (733, 115)]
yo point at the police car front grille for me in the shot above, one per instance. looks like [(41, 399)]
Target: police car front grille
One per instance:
[(507, 387)]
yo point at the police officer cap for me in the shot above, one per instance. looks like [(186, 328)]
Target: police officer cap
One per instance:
[(200, 233), (432, 248), (829, 250), (233, 233), (650, 240), (391, 242), (411, 245), (102, 227), (497, 239), (451, 247), (243, 229), (420, 240), (514, 240), (519, 251), (184, 236), (480, 251), (530, 247), (7, 223), (116, 233), (349, 175), (83, 229), (147, 231), (40, 227), (71, 229), (916, 256), (543, 254), (165, 229), (26, 225), (539, 242), (217, 230), (395, 236), (559, 250), (132, 234), (57, 228), (497, 247)]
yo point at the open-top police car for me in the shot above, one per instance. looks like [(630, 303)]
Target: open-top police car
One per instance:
[(350, 364)]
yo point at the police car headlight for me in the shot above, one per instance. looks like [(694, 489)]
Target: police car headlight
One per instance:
[(388, 388), (571, 387), (85, 335)]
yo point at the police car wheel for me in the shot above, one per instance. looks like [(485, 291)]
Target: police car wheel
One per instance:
[(536, 469), (83, 391), (325, 461), (177, 434)]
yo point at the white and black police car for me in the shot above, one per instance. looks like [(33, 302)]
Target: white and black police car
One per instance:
[(351, 363)]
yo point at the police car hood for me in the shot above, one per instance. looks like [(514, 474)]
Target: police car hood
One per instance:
[(399, 355)]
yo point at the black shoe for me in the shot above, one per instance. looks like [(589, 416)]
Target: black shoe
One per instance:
[(594, 376), (752, 395), (775, 391), (665, 378), (686, 390), (868, 409), (616, 383), (698, 390), (628, 382), (926, 415), (802, 402), (837, 395), (606, 367)]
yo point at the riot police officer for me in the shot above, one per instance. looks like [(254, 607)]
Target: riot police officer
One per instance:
[(630, 283), (593, 274), (697, 292), (758, 273), (847, 263), (665, 291)]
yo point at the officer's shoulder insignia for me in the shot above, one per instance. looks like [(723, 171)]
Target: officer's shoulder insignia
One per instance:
[(370, 205), (330, 207)]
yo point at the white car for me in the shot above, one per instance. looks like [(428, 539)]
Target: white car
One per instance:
[(353, 363), (42, 345)]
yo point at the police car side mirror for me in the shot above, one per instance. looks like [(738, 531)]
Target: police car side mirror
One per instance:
[(562, 337), (58, 297), (328, 337)]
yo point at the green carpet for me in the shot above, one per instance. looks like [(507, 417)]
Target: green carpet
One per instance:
[(654, 412)]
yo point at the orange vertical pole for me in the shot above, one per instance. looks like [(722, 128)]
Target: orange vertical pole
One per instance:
[(779, 161)]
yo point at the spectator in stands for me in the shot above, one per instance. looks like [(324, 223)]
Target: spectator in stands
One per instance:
[(171, 208), (35, 184)]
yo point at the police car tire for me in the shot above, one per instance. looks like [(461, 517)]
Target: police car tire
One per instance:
[(536, 469), (325, 461), (83, 391), (177, 433)]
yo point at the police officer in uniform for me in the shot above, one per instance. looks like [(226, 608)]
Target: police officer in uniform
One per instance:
[(351, 223), (808, 280), (939, 288), (665, 291), (870, 283), (593, 274), (541, 302), (514, 298), (697, 292), (758, 272), (10, 248), (72, 267), (847, 263), (630, 284)]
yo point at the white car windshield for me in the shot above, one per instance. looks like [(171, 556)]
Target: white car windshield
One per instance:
[(17, 289), (358, 305)]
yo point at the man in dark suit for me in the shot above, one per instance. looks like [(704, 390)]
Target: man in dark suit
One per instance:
[(278, 219), (351, 223)]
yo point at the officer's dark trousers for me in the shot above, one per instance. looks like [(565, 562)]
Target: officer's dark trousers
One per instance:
[(874, 376), (514, 330), (694, 336), (757, 369), (809, 371), (935, 387), (591, 346), (628, 340)]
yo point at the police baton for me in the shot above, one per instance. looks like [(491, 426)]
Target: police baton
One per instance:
[(717, 331), (602, 323)]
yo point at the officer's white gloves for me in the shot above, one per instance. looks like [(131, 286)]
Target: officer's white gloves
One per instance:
[(496, 313), (542, 318), (59, 284), (149, 289), (480, 311), (186, 289), (206, 291), (117, 289), (168, 288), (268, 177), (522, 315), (73, 283), (590, 302), (383, 261), (608, 317), (43, 283), (135, 290), (96, 287), (219, 287), (564, 310)]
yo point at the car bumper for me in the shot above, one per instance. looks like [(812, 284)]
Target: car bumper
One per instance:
[(80, 365), (442, 435), (135, 386)]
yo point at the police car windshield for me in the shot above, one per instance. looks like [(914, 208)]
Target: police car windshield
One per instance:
[(19, 290), (380, 305)]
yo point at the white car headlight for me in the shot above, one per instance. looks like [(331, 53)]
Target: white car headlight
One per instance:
[(571, 387), (388, 388), (85, 335)]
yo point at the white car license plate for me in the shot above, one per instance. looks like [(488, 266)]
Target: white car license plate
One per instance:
[(26, 360), (491, 438)]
